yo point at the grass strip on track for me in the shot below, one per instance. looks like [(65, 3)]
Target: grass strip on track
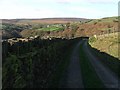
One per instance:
[(90, 78)]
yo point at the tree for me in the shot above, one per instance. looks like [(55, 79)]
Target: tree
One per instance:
[(68, 25)]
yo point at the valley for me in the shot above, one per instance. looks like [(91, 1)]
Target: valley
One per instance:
[(60, 53)]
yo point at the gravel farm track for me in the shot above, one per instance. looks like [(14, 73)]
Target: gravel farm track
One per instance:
[(72, 78)]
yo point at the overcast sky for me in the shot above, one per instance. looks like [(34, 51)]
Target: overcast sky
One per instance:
[(12, 9)]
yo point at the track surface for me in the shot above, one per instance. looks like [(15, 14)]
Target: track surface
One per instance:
[(72, 77)]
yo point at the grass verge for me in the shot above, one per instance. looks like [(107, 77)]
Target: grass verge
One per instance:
[(111, 62)]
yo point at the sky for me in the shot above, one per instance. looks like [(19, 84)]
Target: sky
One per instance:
[(91, 9)]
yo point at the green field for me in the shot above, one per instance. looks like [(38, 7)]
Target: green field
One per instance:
[(51, 28)]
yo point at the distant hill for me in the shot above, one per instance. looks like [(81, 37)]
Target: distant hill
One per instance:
[(44, 20)]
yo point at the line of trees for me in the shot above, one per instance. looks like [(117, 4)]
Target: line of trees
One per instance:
[(32, 64)]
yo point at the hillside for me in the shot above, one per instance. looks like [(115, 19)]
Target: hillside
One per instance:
[(110, 43), (64, 55), (8, 34), (62, 27), (87, 28)]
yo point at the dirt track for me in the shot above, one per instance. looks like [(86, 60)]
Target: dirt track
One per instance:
[(72, 77), (109, 79)]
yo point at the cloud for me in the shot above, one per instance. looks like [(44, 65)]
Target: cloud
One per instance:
[(24, 12), (103, 1), (15, 9), (86, 12), (69, 1), (86, 1), (93, 10), (53, 8)]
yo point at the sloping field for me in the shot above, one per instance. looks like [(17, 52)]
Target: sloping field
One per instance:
[(107, 43)]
